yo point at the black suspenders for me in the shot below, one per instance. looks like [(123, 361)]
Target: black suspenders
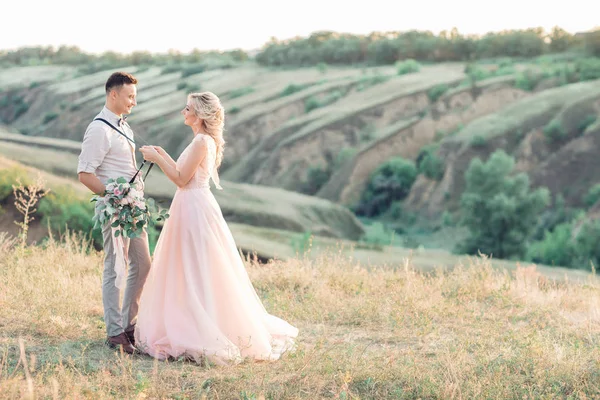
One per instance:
[(128, 138)]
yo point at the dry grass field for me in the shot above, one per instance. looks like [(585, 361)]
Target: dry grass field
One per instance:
[(365, 333)]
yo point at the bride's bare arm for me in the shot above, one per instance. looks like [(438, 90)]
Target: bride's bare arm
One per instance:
[(179, 176)]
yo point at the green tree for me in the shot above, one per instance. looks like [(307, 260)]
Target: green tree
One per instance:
[(390, 182), (560, 40), (499, 210)]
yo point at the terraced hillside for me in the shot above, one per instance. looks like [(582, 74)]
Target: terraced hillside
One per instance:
[(551, 134), (406, 138), (323, 132), (317, 137), (241, 203)]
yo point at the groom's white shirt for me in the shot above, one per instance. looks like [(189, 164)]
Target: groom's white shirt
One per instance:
[(105, 152)]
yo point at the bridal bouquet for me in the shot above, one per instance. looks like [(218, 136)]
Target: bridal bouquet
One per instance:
[(125, 208)]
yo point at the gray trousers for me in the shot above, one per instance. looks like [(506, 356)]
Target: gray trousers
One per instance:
[(123, 318)]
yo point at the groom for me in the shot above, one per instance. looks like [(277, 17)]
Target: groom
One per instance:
[(106, 153)]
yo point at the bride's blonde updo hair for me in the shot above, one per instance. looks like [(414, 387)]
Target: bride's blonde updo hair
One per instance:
[(208, 107)]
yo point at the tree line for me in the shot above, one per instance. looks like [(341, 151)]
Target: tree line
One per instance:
[(73, 55), (389, 47), (377, 48)]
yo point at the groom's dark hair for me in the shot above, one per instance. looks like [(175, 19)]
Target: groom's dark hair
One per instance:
[(118, 79)]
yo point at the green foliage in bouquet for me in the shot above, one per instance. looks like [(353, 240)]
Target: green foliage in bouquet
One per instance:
[(124, 207)]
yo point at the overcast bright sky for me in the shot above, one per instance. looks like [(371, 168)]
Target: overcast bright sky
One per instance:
[(125, 26)]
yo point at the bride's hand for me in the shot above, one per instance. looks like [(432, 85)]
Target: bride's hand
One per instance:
[(160, 150), (149, 153)]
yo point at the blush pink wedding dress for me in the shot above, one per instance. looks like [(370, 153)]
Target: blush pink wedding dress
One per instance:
[(198, 300)]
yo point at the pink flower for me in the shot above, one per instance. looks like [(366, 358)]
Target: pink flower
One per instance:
[(117, 192)]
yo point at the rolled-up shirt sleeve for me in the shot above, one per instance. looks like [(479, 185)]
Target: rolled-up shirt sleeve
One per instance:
[(95, 145)]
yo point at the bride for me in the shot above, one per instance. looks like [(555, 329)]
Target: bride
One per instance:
[(198, 300)]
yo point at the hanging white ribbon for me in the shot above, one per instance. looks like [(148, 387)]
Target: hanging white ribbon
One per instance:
[(215, 178), (120, 260)]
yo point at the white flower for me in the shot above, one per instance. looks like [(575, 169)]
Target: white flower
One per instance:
[(133, 193)]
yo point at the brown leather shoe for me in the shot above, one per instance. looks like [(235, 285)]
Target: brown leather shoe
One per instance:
[(131, 336), (121, 340)]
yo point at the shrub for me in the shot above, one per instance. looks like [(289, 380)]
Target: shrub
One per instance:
[(593, 195), (235, 93), (436, 92), (291, 89), (49, 116), (8, 177), (586, 122), (170, 68), (388, 183), (527, 80), (377, 233), (478, 141), (313, 102), (407, 67), (429, 164), (344, 155), (477, 73), (192, 69), (557, 248), (554, 130), (316, 177), (62, 208)]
